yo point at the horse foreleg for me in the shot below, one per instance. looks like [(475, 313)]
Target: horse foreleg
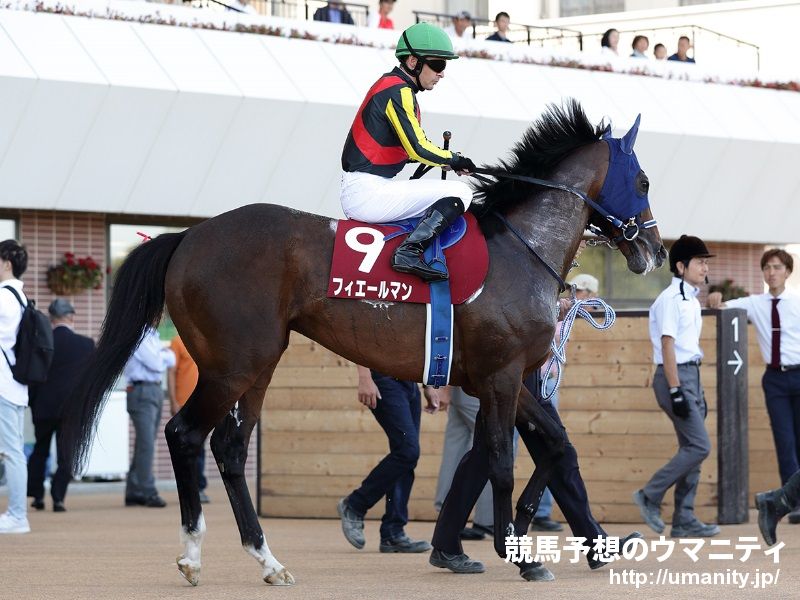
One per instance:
[(229, 444)]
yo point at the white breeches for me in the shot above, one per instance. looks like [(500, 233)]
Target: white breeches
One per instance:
[(373, 199)]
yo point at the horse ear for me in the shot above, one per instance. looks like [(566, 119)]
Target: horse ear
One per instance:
[(629, 140), (607, 135)]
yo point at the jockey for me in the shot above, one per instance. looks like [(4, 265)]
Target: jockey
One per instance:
[(385, 135)]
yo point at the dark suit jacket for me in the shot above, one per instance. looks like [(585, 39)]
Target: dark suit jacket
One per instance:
[(322, 14), (70, 354)]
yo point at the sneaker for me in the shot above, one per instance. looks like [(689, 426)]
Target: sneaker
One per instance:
[(651, 513), (352, 524), (404, 545), (9, 524), (204, 499), (457, 563), (545, 524), (694, 529)]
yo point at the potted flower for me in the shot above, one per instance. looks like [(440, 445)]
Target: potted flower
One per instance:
[(73, 275)]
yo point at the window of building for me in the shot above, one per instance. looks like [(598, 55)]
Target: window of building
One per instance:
[(618, 286), (574, 8), (8, 229), (122, 238)]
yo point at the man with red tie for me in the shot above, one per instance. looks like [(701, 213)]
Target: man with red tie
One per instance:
[(776, 316)]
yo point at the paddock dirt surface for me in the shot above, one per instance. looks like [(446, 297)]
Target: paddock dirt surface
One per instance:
[(102, 550)]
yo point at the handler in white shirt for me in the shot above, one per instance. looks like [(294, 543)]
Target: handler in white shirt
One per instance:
[(776, 316), (675, 325)]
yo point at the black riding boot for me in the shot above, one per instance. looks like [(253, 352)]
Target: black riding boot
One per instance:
[(408, 258)]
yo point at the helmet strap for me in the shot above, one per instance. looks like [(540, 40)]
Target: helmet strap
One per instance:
[(416, 71)]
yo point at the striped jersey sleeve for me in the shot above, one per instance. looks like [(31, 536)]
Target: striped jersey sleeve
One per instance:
[(401, 113)]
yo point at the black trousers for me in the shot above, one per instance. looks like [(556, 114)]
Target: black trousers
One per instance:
[(44, 430), (565, 483)]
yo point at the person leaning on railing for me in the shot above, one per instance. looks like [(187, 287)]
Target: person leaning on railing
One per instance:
[(334, 12), (501, 21), (380, 19)]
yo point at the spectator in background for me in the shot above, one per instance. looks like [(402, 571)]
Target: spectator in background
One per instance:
[(501, 21), (586, 286), (684, 45), (334, 12), (640, 45), (396, 405), (660, 51), (461, 23), (145, 397), (380, 19), (181, 381), (776, 316), (609, 42), (13, 395), (70, 355)]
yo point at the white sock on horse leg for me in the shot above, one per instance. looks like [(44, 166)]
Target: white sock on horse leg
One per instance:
[(192, 541), (265, 559)]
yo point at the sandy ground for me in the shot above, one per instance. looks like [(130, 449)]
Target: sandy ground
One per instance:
[(102, 550)]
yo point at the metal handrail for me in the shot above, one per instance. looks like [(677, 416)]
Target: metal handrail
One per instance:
[(442, 17)]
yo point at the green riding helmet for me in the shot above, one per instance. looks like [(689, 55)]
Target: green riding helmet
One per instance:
[(425, 40)]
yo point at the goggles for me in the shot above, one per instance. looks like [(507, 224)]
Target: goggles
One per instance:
[(436, 64)]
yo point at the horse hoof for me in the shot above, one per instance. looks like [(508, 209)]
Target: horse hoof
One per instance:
[(189, 572), (537, 573), (282, 577)]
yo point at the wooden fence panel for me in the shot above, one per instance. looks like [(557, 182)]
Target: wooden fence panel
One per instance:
[(318, 442)]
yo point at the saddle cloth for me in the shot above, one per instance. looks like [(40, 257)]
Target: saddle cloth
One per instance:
[(361, 266)]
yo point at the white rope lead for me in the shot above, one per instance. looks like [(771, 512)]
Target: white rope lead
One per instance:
[(558, 349)]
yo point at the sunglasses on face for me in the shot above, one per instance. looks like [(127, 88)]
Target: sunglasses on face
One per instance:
[(436, 64)]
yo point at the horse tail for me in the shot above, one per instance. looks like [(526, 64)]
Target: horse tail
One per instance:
[(137, 301)]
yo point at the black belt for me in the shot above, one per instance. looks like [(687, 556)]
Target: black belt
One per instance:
[(784, 368), (692, 363), (145, 382)]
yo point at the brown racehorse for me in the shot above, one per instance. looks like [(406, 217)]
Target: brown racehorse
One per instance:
[(238, 283)]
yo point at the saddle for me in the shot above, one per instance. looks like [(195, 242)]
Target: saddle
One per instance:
[(361, 269)]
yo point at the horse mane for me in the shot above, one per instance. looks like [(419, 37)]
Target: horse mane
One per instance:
[(559, 131)]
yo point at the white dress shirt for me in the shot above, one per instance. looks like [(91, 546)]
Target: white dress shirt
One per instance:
[(678, 318), (10, 317), (150, 360), (759, 311)]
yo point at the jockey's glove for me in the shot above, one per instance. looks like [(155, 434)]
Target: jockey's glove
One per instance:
[(462, 163), (679, 405)]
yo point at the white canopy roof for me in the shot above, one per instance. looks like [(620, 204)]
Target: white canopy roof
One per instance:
[(122, 117)]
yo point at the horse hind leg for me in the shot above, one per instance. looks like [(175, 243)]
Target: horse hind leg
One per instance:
[(185, 434), (229, 444)]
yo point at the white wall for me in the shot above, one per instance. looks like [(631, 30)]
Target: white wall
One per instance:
[(146, 119)]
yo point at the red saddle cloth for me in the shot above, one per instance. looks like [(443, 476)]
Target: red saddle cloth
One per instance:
[(361, 267)]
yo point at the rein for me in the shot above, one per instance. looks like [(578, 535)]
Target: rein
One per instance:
[(629, 230)]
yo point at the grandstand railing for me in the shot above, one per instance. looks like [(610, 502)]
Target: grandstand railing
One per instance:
[(282, 8), (698, 35), (520, 33)]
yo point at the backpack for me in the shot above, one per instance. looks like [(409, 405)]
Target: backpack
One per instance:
[(34, 346)]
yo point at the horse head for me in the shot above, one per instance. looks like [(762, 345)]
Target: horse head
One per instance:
[(624, 196)]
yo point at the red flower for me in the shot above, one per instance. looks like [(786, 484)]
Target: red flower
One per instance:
[(70, 261)]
